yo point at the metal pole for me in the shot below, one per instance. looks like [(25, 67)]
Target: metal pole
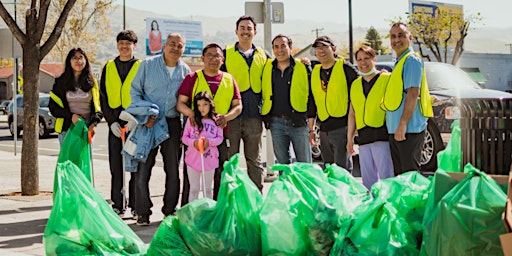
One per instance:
[(124, 15), (267, 38), (15, 89), (350, 39)]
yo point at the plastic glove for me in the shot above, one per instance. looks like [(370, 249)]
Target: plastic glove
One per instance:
[(130, 126), (116, 129)]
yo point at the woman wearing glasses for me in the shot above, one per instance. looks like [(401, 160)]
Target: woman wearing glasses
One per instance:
[(75, 94)]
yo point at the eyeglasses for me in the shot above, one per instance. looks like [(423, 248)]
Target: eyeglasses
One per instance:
[(82, 58), (323, 47), (211, 56)]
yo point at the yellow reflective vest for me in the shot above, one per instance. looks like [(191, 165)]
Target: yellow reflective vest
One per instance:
[(246, 77), (118, 93), (299, 88), (395, 90), (224, 95), (59, 122), (367, 109), (334, 100)]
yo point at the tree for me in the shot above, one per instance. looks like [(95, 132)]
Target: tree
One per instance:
[(86, 27), (374, 40), (34, 50), (440, 32)]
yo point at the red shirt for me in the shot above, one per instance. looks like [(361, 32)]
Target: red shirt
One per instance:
[(187, 86)]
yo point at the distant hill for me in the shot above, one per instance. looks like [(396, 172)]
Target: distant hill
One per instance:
[(221, 31)]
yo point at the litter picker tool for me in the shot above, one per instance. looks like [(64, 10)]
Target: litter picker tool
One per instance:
[(123, 139), (89, 139), (132, 122), (200, 145)]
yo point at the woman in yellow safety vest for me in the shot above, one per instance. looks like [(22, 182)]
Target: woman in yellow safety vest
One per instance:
[(75, 94), (368, 118)]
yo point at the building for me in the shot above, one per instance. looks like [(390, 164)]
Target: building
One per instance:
[(47, 75)]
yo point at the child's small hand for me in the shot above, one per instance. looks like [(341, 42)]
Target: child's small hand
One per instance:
[(206, 143), (196, 144)]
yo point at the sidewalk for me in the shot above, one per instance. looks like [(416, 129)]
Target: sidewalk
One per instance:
[(23, 218)]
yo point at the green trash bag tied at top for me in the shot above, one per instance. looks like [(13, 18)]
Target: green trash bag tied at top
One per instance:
[(82, 223), (303, 211), (230, 226), (464, 217)]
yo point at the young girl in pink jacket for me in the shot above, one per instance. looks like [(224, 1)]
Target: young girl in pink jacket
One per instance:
[(204, 117)]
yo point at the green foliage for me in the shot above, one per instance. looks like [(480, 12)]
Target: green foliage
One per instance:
[(374, 40), (440, 32)]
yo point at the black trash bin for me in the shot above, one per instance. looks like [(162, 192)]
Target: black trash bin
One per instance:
[(486, 132)]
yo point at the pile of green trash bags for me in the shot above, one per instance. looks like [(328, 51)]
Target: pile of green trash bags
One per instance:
[(463, 217), (81, 222)]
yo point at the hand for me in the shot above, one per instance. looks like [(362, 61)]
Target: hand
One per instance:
[(92, 129), (312, 139), (221, 121), (116, 129), (206, 144), (350, 147), (151, 121), (75, 118), (306, 61), (192, 120), (400, 132), (130, 126)]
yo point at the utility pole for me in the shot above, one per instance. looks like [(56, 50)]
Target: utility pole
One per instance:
[(316, 30), (510, 45), (124, 15)]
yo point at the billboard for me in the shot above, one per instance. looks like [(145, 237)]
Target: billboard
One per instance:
[(157, 30), (431, 8)]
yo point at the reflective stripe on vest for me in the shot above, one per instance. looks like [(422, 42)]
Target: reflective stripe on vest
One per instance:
[(367, 109), (224, 95), (59, 122), (118, 93), (299, 88), (395, 90), (246, 77), (334, 101)]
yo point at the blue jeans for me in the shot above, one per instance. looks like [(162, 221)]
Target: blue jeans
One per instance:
[(282, 134)]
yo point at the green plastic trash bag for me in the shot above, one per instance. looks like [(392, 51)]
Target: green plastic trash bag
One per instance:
[(76, 148), (408, 193), (339, 177), (167, 240), (303, 212), (229, 226), (449, 159), (466, 220), (82, 223), (378, 229)]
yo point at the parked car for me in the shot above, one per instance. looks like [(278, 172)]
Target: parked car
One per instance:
[(46, 120), (448, 85), (3, 106)]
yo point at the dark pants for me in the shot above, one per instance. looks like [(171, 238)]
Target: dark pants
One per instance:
[(186, 185), (406, 155), (115, 145), (223, 156), (170, 150), (333, 146), (249, 131)]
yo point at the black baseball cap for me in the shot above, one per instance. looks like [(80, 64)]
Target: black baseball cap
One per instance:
[(325, 40)]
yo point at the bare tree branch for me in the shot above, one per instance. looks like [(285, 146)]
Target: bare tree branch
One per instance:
[(57, 30), (43, 14), (11, 23)]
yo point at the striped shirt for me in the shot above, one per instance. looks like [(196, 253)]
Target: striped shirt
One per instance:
[(152, 84)]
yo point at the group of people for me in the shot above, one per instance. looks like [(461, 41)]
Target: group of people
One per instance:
[(240, 90)]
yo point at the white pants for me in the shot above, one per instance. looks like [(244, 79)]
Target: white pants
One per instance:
[(194, 178), (375, 162)]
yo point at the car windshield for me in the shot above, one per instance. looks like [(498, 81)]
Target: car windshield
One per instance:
[(44, 101), (447, 77)]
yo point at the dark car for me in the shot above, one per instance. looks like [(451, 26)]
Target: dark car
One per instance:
[(448, 85), (3, 106), (46, 120)]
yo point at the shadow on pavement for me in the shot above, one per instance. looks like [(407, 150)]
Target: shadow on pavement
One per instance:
[(33, 227)]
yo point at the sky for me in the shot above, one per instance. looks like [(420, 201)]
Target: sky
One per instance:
[(365, 13)]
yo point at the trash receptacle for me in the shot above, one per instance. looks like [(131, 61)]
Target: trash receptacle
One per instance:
[(486, 131)]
